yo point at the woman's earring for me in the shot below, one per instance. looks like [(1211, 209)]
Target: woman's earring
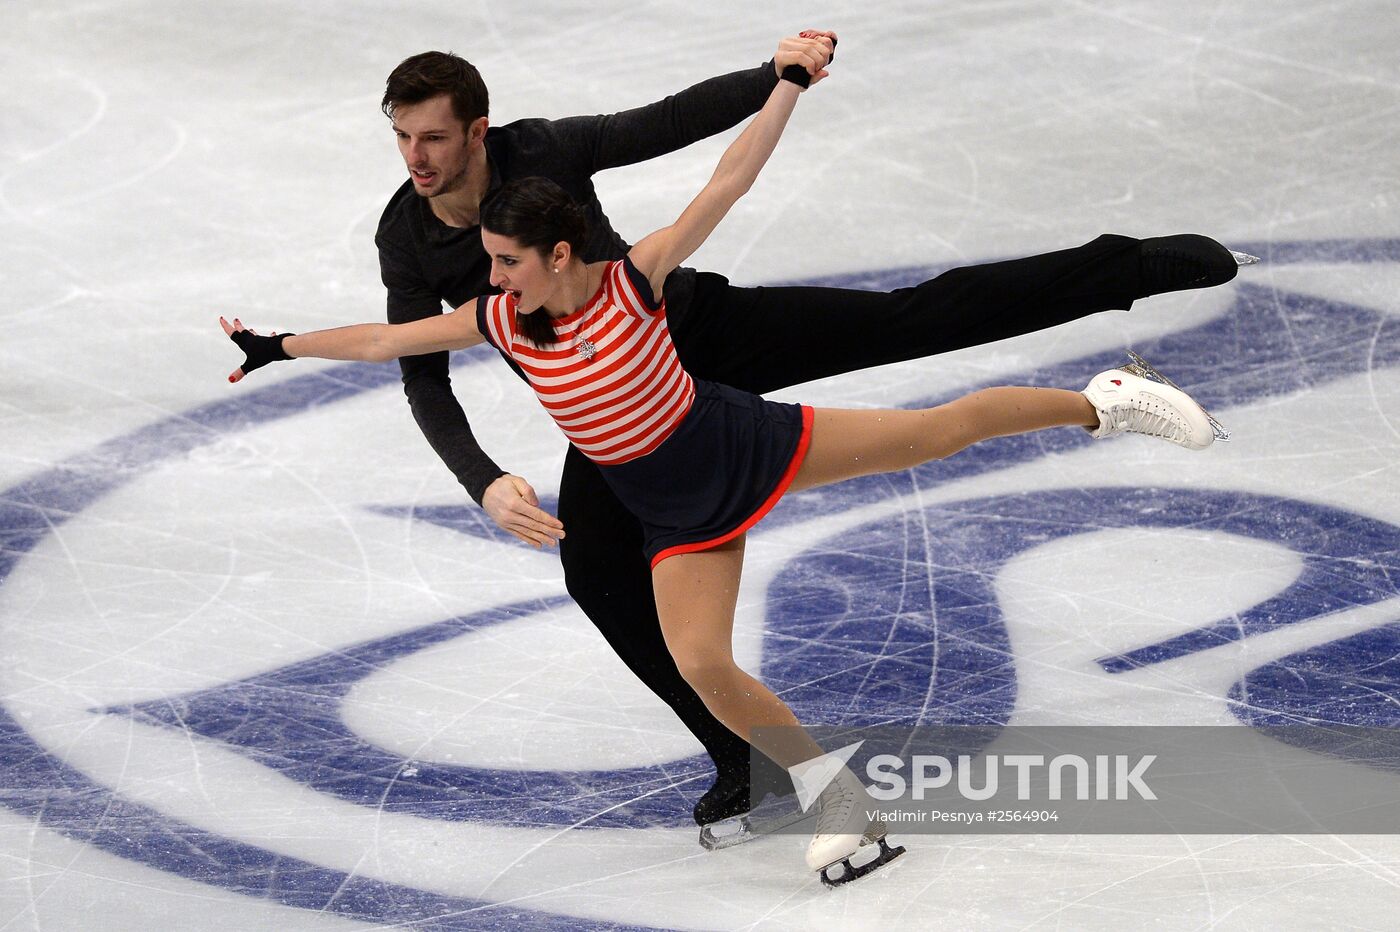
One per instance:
[(556, 270)]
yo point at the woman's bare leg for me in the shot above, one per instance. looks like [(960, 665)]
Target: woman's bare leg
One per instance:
[(696, 593), (848, 443), (695, 598)]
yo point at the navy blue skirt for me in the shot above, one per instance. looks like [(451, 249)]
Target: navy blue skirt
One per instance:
[(722, 469)]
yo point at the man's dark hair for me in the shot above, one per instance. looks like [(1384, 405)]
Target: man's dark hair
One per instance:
[(428, 74), (537, 214)]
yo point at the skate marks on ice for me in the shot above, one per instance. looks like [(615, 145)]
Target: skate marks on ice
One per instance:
[(913, 646)]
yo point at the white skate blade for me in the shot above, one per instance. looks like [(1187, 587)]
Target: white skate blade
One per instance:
[(1142, 368), (1244, 258), (851, 872), (739, 830)]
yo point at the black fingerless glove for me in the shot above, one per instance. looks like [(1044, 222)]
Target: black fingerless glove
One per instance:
[(797, 75), (259, 351)]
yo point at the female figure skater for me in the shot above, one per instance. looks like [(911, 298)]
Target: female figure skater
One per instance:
[(699, 463)]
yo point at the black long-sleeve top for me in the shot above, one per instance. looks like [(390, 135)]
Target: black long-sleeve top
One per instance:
[(424, 262)]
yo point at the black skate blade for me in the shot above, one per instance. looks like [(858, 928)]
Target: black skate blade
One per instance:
[(853, 872), (745, 828)]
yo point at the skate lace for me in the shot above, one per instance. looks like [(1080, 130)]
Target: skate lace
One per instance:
[(1148, 415), (837, 804)]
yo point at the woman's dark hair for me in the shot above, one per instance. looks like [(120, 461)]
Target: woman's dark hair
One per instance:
[(429, 74), (537, 214)]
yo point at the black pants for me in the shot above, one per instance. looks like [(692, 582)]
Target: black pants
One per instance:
[(762, 339)]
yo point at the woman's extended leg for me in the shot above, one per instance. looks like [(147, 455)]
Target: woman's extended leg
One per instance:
[(849, 443), (696, 592)]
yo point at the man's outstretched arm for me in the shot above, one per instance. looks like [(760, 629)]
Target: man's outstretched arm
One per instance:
[(696, 113)]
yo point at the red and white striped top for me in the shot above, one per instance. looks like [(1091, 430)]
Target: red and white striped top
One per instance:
[(612, 380)]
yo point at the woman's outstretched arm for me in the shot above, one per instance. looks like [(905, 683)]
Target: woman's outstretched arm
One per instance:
[(657, 254), (365, 342)]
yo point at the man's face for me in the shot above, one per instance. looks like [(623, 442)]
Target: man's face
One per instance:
[(434, 144)]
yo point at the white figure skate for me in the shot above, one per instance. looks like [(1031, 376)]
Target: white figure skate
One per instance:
[(1140, 400), (843, 829)]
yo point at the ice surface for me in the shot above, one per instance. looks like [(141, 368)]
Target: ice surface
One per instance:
[(263, 666)]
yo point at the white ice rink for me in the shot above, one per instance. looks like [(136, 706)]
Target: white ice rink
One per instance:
[(262, 667)]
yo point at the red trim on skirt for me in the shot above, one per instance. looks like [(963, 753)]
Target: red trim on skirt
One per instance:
[(789, 474)]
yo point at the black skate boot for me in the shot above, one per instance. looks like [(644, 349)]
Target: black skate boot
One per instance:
[(1186, 261), (726, 798), (724, 814)]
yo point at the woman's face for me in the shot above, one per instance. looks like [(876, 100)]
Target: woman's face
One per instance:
[(520, 270)]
